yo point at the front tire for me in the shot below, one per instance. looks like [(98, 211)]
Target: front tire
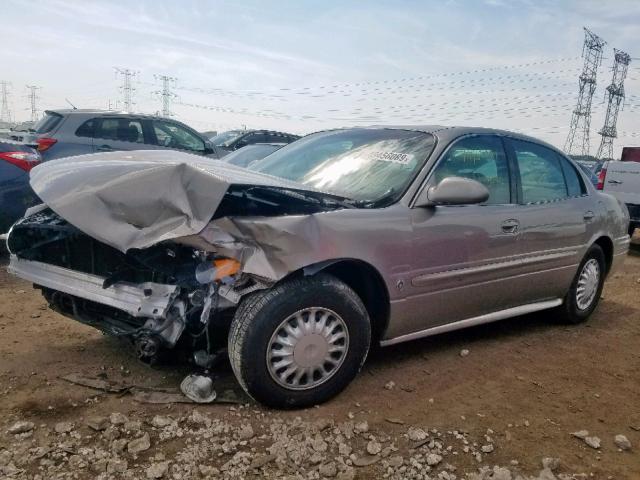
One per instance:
[(586, 288), (299, 343)]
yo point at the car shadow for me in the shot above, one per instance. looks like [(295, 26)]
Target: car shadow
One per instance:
[(533, 326)]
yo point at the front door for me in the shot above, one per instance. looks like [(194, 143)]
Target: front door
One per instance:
[(466, 258)]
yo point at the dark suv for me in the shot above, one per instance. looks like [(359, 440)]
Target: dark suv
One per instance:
[(65, 133), (227, 142)]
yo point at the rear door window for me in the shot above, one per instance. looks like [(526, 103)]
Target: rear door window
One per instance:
[(121, 130), (481, 158), (87, 129), (541, 176)]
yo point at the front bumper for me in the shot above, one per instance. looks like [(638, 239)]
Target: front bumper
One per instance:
[(145, 300)]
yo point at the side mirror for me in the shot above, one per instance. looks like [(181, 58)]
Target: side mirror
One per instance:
[(453, 191)]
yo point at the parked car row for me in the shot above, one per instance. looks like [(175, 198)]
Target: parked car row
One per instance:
[(71, 132), (296, 265)]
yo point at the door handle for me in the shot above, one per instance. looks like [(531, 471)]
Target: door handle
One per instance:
[(614, 182), (510, 226), (104, 148), (588, 216)]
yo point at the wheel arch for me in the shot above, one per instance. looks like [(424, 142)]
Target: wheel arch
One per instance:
[(365, 280), (606, 244)]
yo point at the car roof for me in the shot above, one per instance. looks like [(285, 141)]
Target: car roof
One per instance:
[(105, 113), (448, 133)]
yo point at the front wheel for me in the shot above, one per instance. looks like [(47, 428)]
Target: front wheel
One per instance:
[(300, 342), (586, 288)]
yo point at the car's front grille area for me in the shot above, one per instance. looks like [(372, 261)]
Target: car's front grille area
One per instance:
[(46, 237)]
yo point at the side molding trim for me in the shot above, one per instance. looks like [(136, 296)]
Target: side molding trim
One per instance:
[(470, 322)]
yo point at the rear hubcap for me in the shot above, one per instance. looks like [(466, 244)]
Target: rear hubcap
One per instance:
[(307, 348), (588, 283)]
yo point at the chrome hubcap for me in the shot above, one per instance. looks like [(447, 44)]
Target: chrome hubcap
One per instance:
[(588, 284), (307, 348)]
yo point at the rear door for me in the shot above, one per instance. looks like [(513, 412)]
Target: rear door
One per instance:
[(465, 261), (118, 133), (555, 215)]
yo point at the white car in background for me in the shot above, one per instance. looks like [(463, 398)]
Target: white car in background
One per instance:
[(622, 180)]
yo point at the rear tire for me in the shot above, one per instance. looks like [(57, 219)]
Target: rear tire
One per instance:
[(583, 296), (314, 327)]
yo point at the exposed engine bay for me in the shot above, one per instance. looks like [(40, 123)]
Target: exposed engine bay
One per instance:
[(156, 296), (153, 296)]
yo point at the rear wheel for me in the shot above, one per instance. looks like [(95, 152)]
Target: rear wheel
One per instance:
[(300, 342), (584, 294)]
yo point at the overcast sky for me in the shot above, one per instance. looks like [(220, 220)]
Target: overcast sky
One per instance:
[(303, 66)]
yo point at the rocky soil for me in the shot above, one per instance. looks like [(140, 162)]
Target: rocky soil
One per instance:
[(524, 398)]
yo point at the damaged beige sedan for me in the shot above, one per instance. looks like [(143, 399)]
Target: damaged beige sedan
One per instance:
[(297, 264)]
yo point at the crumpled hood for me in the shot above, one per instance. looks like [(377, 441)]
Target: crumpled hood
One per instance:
[(139, 198)]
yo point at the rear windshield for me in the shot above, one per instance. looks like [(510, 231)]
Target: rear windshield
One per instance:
[(47, 123)]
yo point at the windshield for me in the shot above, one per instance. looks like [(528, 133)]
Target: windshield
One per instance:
[(224, 139), (361, 164)]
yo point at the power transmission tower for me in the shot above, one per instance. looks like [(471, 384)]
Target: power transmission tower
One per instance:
[(5, 112), (578, 138), (33, 98), (166, 94), (126, 88), (615, 96)]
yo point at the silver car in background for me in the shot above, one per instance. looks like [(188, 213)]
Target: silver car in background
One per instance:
[(341, 239)]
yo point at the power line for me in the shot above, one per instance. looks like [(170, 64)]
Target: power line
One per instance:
[(615, 96), (5, 112), (581, 118), (166, 94), (33, 98), (126, 88)]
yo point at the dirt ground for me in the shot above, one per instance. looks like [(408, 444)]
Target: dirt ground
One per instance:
[(530, 381)]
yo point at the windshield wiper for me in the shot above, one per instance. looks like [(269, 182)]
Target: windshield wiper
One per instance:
[(326, 199), (378, 202)]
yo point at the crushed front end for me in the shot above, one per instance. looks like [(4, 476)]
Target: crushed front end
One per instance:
[(155, 296)]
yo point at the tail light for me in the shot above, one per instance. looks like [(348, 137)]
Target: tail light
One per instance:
[(24, 160), (601, 177), (45, 143)]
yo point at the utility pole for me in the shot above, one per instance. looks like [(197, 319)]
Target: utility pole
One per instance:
[(578, 138), (5, 113), (126, 87), (33, 97), (166, 94), (615, 96)]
